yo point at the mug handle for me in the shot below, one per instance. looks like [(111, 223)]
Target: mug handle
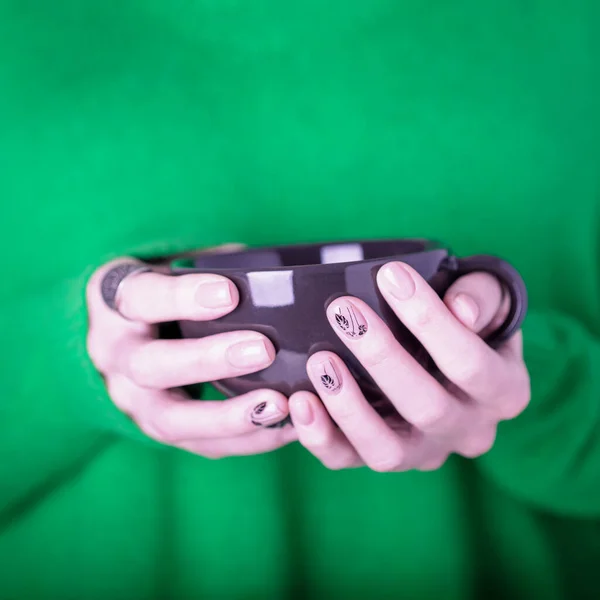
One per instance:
[(511, 280)]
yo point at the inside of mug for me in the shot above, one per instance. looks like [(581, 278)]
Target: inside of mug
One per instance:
[(309, 254)]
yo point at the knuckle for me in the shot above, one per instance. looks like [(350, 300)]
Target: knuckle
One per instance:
[(393, 460), (434, 464), (346, 413), (140, 367), (514, 404), (466, 372), (318, 442), (162, 426), (423, 314), (478, 444), (377, 355), (434, 416)]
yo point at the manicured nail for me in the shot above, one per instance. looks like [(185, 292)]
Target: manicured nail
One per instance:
[(267, 414), (254, 353), (350, 320), (466, 309), (329, 378), (400, 281), (216, 294), (303, 413)]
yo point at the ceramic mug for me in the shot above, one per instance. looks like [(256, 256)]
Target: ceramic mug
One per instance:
[(285, 290)]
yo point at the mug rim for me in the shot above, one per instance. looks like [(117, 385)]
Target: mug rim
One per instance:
[(429, 246)]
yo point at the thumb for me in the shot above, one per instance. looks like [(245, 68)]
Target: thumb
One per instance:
[(477, 301)]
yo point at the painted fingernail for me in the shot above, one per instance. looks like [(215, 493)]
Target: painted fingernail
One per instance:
[(267, 414), (216, 294), (400, 281), (255, 353), (329, 378), (466, 309), (302, 411), (350, 320)]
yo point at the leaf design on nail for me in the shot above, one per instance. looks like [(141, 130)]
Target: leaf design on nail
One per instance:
[(342, 321), (259, 408), (266, 415), (328, 381)]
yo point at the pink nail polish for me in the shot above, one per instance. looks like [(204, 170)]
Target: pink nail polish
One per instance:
[(400, 282), (302, 412), (254, 353), (329, 377), (350, 320), (466, 309), (216, 294)]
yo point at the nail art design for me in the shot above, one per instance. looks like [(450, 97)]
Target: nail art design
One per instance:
[(329, 377), (267, 414), (328, 381), (350, 321)]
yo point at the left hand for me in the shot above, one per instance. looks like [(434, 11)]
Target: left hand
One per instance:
[(485, 386)]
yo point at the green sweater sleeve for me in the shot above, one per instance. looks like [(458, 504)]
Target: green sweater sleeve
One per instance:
[(54, 410), (550, 455)]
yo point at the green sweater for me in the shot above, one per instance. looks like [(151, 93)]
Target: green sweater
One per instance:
[(147, 126)]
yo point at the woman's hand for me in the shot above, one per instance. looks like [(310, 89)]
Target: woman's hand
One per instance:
[(485, 386), (143, 373)]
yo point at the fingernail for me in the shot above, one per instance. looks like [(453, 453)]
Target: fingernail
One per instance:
[(266, 414), (250, 354), (216, 294), (303, 413), (329, 378), (350, 320), (400, 281), (466, 309)]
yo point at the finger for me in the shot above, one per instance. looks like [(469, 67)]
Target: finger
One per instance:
[(461, 355), (156, 298), (163, 364), (500, 317), (513, 348), (169, 417), (478, 441), (475, 300), (259, 442), (380, 447), (107, 329), (434, 463), (418, 397), (318, 434), (513, 403)]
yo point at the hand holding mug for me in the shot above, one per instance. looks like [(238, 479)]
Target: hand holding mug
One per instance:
[(481, 386), (271, 323), (144, 374)]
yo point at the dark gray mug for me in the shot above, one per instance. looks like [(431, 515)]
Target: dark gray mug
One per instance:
[(284, 292)]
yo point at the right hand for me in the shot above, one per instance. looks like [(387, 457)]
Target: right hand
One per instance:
[(143, 373)]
